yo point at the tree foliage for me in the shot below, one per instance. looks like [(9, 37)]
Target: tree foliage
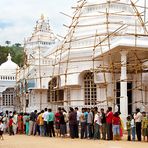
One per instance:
[(16, 52), (7, 43)]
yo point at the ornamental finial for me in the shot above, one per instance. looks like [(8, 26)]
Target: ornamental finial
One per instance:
[(9, 57), (42, 17)]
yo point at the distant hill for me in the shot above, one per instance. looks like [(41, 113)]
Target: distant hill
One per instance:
[(16, 52)]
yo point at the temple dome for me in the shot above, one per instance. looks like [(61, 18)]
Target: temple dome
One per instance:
[(9, 64)]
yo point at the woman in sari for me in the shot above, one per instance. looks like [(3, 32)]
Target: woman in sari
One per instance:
[(20, 123), (27, 124), (121, 126)]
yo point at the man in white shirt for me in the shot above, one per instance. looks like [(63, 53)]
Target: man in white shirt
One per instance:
[(90, 123), (138, 119), (1, 129), (45, 118), (15, 119), (78, 121), (97, 124)]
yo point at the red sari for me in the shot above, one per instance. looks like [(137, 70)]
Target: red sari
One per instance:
[(20, 124), (57, 120)]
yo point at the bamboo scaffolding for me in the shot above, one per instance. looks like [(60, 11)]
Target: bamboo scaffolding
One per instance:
[(62, 54)]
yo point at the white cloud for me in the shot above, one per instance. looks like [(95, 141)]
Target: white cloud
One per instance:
[(23, 14)]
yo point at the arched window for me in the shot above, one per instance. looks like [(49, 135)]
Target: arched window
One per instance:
[(9, 103), (12, 102), (8, 97), (90, 90), (51, 90), (3, 99), (54, 93)]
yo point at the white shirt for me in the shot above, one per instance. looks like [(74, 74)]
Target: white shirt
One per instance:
[(138, 117), (1, 127), (15, 119), (45, 116), (97, 119), (132, 123), (65, 116), (78, 115)]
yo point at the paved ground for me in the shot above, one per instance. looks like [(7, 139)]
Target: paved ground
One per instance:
[(22, 141)]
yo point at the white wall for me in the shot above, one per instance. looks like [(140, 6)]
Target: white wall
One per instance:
[(34, 100), (77, 94)]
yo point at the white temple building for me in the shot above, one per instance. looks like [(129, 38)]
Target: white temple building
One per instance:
[(102, 61), (7, 85), (33, 77)]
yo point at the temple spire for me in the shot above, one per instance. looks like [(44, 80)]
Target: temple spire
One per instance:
[(9, 57)]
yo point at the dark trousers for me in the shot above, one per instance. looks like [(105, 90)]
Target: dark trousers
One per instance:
[(133, 133), (77, 130), (51, 129), (90, 128), (25, 128), (37, 129), (11, 130), (96, 131), (138, 130), (73, 128), (104, 131), (129, 135), (83, 130), (46, 132), (109, 131), (63, 130)]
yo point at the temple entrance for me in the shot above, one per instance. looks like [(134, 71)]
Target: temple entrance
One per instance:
[(129, 95)]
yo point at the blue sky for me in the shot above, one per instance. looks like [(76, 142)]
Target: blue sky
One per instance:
[(18, 17)]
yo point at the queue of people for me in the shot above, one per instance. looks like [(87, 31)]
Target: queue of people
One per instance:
[(89, 123)]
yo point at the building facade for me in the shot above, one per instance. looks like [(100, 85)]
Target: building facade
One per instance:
[(102, 61), (8, 99)]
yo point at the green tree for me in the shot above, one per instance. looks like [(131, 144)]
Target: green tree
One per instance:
[(16, 52), (17, 44), (3, 54)]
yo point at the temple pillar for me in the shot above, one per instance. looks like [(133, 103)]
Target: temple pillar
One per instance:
[(123, 87)]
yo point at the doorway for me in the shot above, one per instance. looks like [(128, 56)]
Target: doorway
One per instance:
[(129, 95)]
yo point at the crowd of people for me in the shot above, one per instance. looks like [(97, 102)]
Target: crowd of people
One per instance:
[(89, 123)]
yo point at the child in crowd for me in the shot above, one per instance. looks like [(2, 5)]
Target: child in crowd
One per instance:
[(145, 126), (128, 126), (133, 127), (1, 130), (11, 126)]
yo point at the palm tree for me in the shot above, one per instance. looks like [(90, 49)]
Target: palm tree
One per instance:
[(7, 43)]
